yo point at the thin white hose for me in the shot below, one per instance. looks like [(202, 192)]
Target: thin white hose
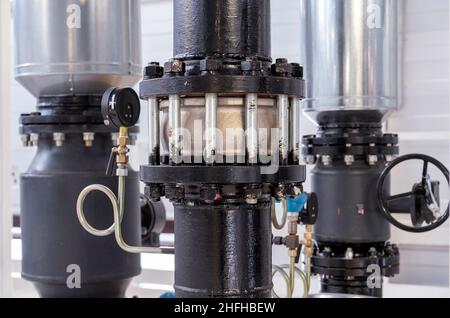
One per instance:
[(279, 225), (285, 276), (118, 209)]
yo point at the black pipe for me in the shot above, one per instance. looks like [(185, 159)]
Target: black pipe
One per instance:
[(223, 251), (222, 28)]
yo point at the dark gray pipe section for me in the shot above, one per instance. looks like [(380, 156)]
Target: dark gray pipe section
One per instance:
[(52, 237), (348, 205), (226, 28)]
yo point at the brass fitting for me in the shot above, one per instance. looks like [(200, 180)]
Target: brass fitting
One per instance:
[(293, 240), (308, 241), (122, 150), (292, 253)]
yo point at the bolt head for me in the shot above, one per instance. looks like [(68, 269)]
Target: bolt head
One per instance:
[(34, 138), (281, 68), (153, 70), (349, 160), (251, 65), (389, 158), (326, 160), (88, 139), (310, 160), (59, 138), (88, 136), (281, 60), (175, 67), (211, 64), (297, 70), (372, 160), (154, 192), (25, 139)]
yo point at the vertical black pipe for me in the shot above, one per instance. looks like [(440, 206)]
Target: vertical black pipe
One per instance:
[(223, 251), (227, 28)]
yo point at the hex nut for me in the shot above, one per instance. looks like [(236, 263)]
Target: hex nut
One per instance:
[(211, 64), (175, 67)]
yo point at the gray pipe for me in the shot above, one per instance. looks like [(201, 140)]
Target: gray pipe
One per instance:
[(350, 53)]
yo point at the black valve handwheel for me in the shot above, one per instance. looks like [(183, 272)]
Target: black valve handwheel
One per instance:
[(383, 201)]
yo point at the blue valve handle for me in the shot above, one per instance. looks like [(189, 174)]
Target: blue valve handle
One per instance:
[(297, 204)]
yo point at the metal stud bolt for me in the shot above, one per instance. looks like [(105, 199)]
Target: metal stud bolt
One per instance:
[(88, 139), (59, 139)]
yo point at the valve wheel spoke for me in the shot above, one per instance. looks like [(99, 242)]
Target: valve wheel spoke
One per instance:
[(399, 196)]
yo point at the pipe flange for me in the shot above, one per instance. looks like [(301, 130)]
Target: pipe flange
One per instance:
[(221, 84), (220, 175)]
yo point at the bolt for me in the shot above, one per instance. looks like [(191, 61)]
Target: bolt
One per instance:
[(153, 70), (349, 160), (154, 192), (59, 139), (211, 64), (349, 253), (251, 65), (25, 138), (34, 138), (297, 70), (310, 160), (175, 67), (326, 160), (389, 158), (88, 139), (281, 68), (251, 199), (372, 160)]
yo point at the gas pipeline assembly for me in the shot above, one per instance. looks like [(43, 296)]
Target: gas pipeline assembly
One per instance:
[(225, 144)]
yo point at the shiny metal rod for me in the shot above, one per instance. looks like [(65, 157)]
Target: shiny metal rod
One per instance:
[(283, 126), (211, 103), (175, 139), (295, 141), (154, 131), (251, 127)]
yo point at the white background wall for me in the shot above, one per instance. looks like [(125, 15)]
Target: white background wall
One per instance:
[(423, 123), (5, 157)]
